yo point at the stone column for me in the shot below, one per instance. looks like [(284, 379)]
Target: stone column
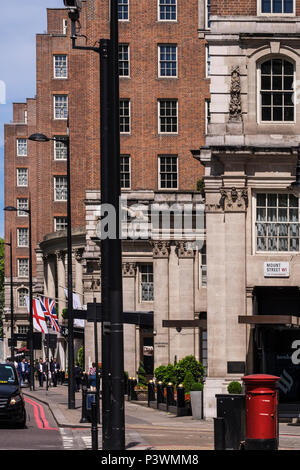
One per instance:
[(161, 251), (226, 288), (61, 281), (186, 337), (50, 286), (129, 304), (79, 273)]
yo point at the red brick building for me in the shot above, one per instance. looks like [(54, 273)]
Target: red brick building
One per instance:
[(163, 91)]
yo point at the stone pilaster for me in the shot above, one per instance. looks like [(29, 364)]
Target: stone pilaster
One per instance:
[(161, 250), (61, 280), (129, 304)]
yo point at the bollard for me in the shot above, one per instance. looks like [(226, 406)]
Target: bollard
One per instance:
[(151, 392), (83, 407), (219, 434), (170, 395), (160, 393), (129, 388), (133, 394), (180, 396), (261, 412), (94, 427)]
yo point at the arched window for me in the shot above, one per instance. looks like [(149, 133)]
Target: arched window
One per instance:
[(277, 91), (21, 297)]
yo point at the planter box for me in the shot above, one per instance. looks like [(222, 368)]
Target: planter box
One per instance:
[(142, 395), (196, 403)]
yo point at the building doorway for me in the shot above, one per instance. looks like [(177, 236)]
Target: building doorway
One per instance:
[(147, 351)]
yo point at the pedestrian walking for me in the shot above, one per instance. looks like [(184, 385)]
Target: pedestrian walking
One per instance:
[(93, 377), (77, 376), (22, 371), (55, 368), (41, 371)]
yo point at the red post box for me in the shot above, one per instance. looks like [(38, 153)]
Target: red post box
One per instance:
[(261, 412)]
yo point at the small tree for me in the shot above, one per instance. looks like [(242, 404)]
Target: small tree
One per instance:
[(80, 357), (165, 374), (142, 375), (189, 364), (188, 381)]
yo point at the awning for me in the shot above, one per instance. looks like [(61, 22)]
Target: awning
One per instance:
[(269, 320), (197, 323)]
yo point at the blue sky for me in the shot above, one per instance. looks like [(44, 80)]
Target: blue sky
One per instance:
[(20, 21)]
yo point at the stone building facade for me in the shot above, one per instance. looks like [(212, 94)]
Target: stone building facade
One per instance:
[(252, 216), (163, 90)]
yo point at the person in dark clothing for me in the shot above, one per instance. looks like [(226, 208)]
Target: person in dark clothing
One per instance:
[(41, 371), (77, 376), (55, 367)]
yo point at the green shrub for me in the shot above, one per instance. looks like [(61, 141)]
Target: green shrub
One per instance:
[(234, 387), (188, 381), (189, 364), (80, 357), (197, 387), (142, 375), (201, 186), (165, 374)]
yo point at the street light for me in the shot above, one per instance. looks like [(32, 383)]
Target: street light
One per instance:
[(12, 345), (71, 388), (28, 211), (113, 418)]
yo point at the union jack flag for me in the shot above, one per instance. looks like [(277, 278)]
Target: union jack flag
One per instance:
[(48, 307)]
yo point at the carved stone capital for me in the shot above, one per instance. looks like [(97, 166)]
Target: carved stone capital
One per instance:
[(209, 208), (234, 200), (161, 249), (60, 255), (78, 252), (128, 269), (183, 249)]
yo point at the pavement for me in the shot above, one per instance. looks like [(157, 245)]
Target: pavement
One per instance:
[(147, 428)]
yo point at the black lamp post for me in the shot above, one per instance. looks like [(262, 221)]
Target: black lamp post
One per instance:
[(113, 424), (71, 387), (12, 338), (28, 211)]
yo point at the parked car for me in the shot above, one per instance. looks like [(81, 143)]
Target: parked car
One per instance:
[(12, 405)]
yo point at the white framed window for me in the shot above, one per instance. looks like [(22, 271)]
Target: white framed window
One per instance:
[(125, 116), (23, 267), (65, 27), (60, 150), (60, 64), (167, 10), (276, 222), (22, 237), (22, 177), (21, 147), (60, 188), (60, 107), (167, 116), (125, 171), (203, 266), (22, 293), (168, 171), (25, 116), (124, 60), (123, 10), (207, 61), (276, 89), (22, 203), (276, 7), (23, 329), (60, 223), (167, 63), (207, 13), (147, 283), (207, 115)]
